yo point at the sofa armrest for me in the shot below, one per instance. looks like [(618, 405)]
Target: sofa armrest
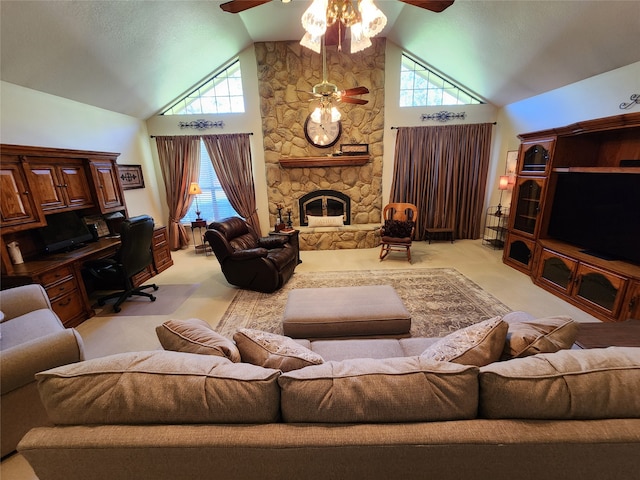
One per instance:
[(249, 254), (275, 241), (20, 300), (22, 362)]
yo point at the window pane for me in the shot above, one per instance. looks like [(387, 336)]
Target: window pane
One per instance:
[(213, 202)]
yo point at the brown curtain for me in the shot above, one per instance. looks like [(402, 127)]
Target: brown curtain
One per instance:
[(231, 158), (443, 171), (180, 164)]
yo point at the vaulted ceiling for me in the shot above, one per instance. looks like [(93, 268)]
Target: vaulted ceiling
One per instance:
[(135, 57)]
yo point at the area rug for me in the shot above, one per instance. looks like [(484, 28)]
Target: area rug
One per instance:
[(168, 299), (440, 300)]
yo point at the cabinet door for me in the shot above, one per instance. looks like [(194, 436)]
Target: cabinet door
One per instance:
[(518, 252), (556, 270), (528, 195), (76, 186), (18, 206), (535, 156), (109, 192), (631, 305), (599, 289), (50, 187)]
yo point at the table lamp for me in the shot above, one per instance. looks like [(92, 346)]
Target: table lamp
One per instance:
[(194, 189)]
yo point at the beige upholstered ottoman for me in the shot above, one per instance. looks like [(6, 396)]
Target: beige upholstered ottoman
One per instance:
[(373, 310)]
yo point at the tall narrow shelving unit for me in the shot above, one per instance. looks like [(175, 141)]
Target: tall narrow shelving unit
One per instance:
[(495, 227)]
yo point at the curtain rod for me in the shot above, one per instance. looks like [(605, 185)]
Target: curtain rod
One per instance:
[(396, 128), (154, 136)]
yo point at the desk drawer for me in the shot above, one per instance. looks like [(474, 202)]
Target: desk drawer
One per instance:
[(68, 306), (49, 278), (61, 288)]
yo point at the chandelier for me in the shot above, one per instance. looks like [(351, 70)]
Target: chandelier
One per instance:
[(362, 16)]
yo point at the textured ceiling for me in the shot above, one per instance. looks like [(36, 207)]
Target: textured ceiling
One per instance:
[(135, 57)]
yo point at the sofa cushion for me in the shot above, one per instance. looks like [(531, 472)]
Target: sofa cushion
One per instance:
[(543, 335), (273, 351), (397, 228), (478, 344), (391, 390), (569, 384), (160, 387), (195, 336)]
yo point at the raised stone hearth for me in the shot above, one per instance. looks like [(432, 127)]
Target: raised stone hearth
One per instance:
[(365, 235)]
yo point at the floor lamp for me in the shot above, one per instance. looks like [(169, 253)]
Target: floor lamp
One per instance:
[(194, 189)]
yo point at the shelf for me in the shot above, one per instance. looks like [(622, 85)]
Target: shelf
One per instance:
[(326, 161), (635, 170)]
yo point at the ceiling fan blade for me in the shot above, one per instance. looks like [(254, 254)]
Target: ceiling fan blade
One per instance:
[(357, 101), (432, 5), (237, 6), (355, 91)]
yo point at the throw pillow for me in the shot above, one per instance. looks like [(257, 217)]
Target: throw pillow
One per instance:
[(478, 344), (329, 221), (397, 228), (195, 336), (542, 335), (273, 351)]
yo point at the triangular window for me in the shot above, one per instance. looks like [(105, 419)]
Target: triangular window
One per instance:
[(220, 94), (421, 87)]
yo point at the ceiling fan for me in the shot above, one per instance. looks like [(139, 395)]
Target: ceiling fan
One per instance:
[(328, 92), (237, 6)]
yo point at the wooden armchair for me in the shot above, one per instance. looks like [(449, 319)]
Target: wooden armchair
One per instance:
[(398, 229)]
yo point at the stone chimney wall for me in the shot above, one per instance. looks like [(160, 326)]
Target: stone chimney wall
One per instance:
[(286, 71)]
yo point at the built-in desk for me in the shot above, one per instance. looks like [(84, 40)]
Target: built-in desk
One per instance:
[(61, 276)]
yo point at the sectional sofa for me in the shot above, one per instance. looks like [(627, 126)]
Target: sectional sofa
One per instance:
[(481, 403)]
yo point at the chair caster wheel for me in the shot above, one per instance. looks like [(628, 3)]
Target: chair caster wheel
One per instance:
[(116, 309), (155, 287), (153, 299), (101, 303)]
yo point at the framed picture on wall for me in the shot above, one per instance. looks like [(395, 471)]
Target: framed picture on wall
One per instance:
[(512, 162), (130, 176)]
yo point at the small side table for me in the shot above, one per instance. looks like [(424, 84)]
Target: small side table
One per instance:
[(294, 239), (202, 247), (433, 232)]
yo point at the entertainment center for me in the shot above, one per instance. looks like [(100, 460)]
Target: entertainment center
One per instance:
[(575, 214)]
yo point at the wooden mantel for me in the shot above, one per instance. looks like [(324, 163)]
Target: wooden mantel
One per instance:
[(326, 161)]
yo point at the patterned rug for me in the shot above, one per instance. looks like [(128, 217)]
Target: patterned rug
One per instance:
[(440, 300)]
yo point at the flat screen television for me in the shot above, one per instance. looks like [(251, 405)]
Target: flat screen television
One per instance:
[(64, 231), (599, 212)]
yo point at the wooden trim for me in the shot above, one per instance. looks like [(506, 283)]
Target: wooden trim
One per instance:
[(326, 161)]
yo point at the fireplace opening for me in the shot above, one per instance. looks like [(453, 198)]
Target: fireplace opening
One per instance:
[(325, 203)]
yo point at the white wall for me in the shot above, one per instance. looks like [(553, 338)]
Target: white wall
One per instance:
[(248, 122), (29, 117)]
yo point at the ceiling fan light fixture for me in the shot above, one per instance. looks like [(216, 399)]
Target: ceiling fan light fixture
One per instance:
[(373, 20), (311, 42), (359, 41), (314, 19)]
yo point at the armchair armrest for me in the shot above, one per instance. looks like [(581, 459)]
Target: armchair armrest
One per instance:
[(276, 241), (250, 253), (22, 362), (21, 300)]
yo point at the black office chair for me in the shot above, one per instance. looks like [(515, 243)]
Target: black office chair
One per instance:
[(133, 257)]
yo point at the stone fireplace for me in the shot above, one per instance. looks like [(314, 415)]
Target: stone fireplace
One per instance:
[(325, 203), (286, 71)]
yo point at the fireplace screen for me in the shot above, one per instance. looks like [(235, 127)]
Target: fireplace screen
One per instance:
[(325, 203)]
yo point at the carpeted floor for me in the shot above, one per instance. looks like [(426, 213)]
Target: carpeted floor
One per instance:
[(440, 300), (168, 299)]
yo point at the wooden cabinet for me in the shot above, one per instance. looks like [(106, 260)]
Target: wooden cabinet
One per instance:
[(109, 193), (631, 304), (606, 289), (161, 257), (63, 291), (60, 186), (597, 290), (19, 207)]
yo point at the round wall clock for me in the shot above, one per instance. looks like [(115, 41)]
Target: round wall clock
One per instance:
[(322, 135)]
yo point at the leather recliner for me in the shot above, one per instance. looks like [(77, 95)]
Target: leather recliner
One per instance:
[(263, 264)]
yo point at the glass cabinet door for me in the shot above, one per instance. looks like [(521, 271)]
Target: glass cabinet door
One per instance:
[(528, 195), (557, 270), (603, 289), (535, 156)]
